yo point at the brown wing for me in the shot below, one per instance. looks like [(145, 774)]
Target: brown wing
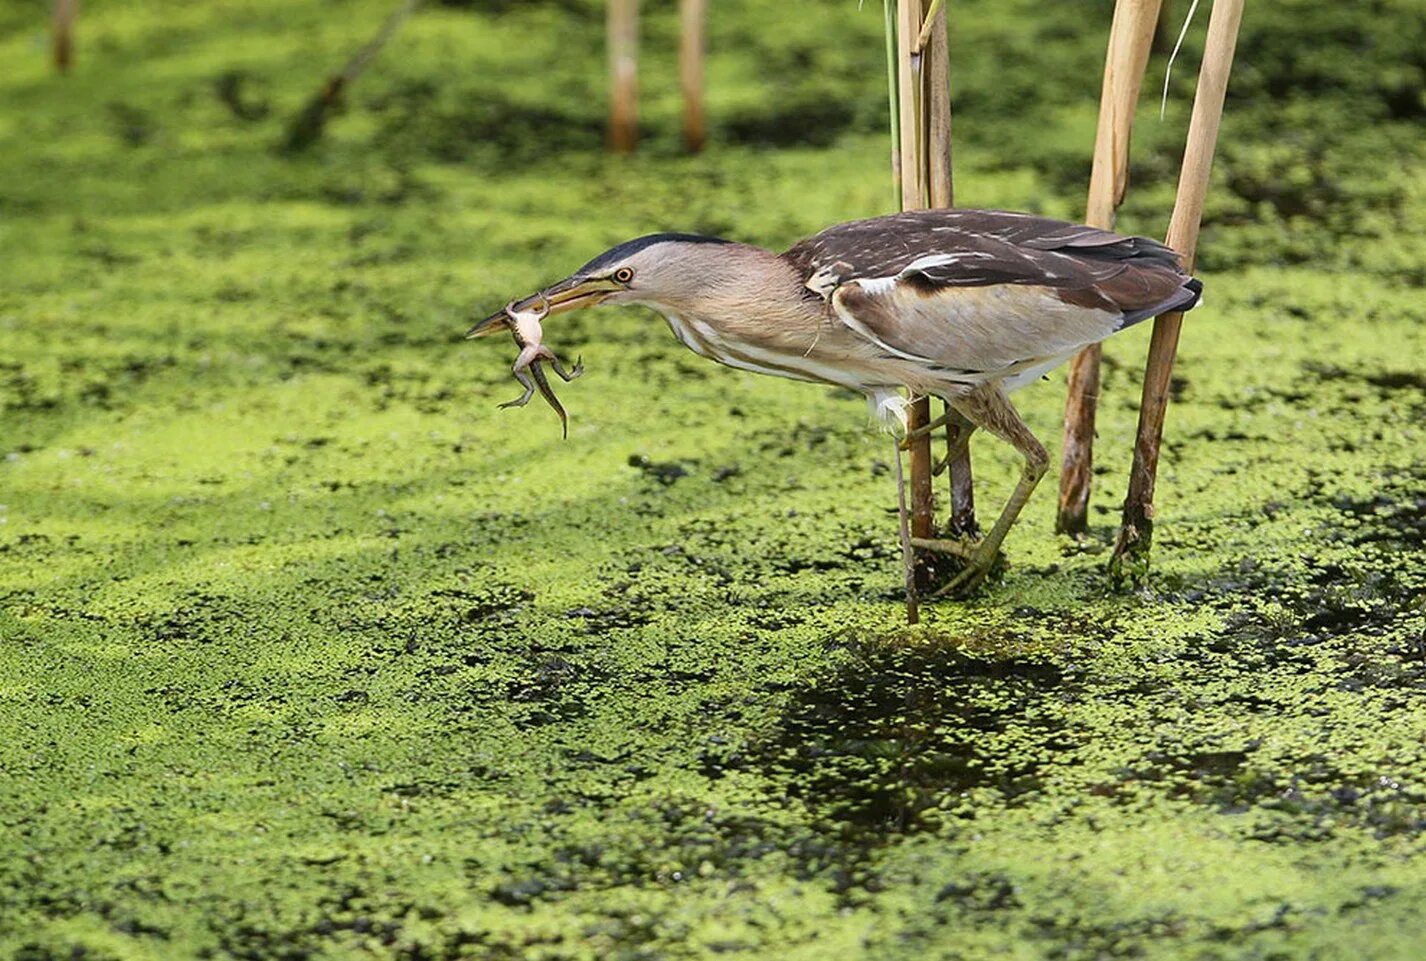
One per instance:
[(1133, 277)]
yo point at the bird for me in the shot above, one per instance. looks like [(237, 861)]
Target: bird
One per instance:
[(962, 304)]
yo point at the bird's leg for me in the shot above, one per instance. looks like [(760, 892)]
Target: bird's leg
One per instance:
[(989, 408), (965, 547)]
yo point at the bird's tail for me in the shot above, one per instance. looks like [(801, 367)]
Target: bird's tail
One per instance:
[(1186, 297)]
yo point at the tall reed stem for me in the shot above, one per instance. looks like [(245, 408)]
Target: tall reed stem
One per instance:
[(692, 15), (65, 12), (1131, 36), (941, 189), (623, 43), (911, 93), (1131, 551)]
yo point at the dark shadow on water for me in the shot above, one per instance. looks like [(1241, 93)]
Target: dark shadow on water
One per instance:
[(894, 739), (485, 128), (808, 123)]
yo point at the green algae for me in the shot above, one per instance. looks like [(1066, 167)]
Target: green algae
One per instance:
[(308, 651)]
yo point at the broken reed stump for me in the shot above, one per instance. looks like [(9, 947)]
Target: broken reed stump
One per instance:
[(623, 42), (1130, 37), (692, 14), (65, 12), (1131, 550), (308, 125)]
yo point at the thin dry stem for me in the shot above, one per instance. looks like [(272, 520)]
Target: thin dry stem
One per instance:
[(1131, 36), (1135, 533), (911, 100)]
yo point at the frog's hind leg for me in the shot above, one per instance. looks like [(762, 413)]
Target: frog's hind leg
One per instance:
[(549, 395), (524, 398), (572, 373)]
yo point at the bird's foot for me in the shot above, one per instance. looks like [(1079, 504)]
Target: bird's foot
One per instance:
[(977, 567), (978, 560)]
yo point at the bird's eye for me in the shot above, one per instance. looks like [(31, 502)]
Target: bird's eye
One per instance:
[(623, 275)]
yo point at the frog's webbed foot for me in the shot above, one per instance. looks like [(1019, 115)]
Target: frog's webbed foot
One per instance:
[(524, 398), (572, 373)]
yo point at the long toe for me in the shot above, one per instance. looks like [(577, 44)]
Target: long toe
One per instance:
[(968, 581), (963, 547), (979, 565)]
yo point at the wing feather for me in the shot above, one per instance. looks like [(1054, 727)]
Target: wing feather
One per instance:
[(967, 248), (979, 292)]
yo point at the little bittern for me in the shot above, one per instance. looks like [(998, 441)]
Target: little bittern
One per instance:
[(965, 305)]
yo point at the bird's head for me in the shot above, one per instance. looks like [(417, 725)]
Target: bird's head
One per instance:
[(660, 269)]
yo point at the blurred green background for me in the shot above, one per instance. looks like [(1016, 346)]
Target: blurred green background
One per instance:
[(307, 651)]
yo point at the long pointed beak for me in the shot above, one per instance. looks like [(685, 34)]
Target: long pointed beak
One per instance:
[(569, 294)]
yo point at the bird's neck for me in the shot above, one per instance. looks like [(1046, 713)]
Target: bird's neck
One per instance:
[(752, 295)]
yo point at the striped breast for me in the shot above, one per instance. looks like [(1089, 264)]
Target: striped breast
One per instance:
[(703, 339)]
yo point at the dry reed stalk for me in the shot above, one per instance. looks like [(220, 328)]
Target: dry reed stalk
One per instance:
[(1130, 37), (936, 65), (910, 96), (1131, 551), (914, 170), (65, 12), (919, 82), (623, 39), (691, 15)]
